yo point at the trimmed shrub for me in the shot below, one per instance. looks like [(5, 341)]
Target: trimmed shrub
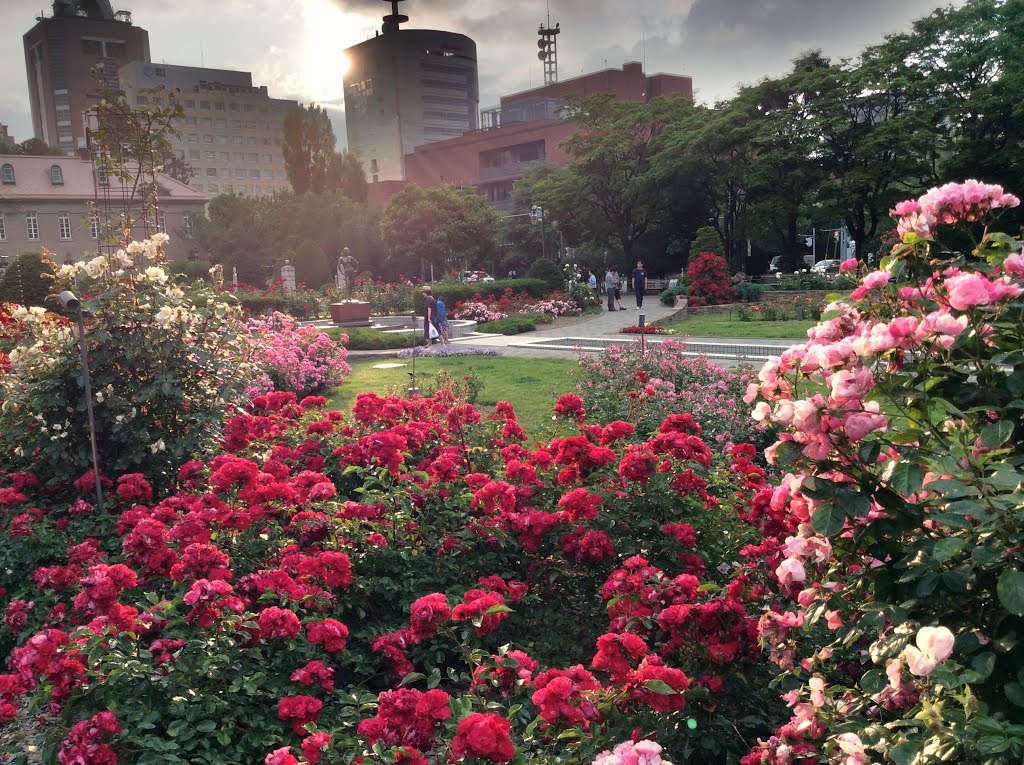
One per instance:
[(513, 325), (750, 292), (28, 280), (461, 293), (547, 271), (366, 339), (668, 295)]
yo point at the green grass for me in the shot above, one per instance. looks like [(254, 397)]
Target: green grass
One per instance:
[(531, 385), (726, 325)]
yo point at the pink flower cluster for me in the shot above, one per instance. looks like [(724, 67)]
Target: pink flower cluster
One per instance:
[(968, 202), (479, 312), (632, 753), (300, 360)]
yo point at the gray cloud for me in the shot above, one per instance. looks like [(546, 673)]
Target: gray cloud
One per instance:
[(294, 47)]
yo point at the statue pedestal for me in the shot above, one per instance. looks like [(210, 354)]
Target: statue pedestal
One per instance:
[(351, 313)]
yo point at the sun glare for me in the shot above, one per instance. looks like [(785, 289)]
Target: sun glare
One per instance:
[(327, 31)]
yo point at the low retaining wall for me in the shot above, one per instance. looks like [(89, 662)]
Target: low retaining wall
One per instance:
[(780, 297)]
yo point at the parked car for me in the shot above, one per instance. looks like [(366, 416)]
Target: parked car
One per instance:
[(472, 277), (826, 267)]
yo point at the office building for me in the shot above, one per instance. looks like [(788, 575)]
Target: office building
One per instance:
[(406, 88), (524, 129), (61, 52), (232, 131), (49, 202)]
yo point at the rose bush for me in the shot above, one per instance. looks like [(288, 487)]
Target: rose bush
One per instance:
[(552, 598), (901, 642), (300, 360), (164, 361)]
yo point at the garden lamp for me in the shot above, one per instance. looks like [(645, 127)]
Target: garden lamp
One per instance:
[(70, 302)]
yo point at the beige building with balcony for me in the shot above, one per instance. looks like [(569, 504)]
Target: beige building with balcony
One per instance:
[(50, 202), (232, 131)]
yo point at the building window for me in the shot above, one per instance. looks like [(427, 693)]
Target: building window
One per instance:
[(206, 122), (188, 225), (236, 124), (64, 226), (237, 139), (250, 124), (141, 100), (204, 105), (252, 157), (239, 172), (32, 226), (254, 173), (3, 229), (268, 159), (247, 107), (224, 156), (375, 177), (115, 50), (221, 123), (190, 103), (225, 172), (219, 106), (56, 176), (194, 154), (161, 71), (211, 171), (101, 176), (94, 226), (213, 188), (251, 140), (92, 47), (233, 106), (207, 138), (7, 173), (161, 224)]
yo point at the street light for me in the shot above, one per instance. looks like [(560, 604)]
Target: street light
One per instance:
[(537, 216), (70, 302)]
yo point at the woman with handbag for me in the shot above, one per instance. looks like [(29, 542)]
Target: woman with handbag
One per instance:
[(430, 332)]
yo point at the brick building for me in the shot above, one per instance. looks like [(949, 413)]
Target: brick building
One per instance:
[(525, 129), (61, 51)]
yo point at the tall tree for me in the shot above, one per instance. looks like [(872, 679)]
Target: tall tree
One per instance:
[(35, 147), (308, 148), (611, 162), (441, 225), (346, 176)]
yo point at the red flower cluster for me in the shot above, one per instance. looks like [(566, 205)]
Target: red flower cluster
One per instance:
[(487, 736), (84, 744), (301, 710), (406, 717)]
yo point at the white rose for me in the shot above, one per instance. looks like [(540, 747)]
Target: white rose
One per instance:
[(156, 274)]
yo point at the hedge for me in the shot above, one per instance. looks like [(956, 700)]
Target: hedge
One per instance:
[(365, 339), (460, 293), (514, 325)]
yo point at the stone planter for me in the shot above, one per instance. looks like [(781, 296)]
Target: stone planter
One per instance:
[(351, 313)]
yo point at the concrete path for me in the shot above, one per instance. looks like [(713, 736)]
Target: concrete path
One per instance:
[(594, 332)]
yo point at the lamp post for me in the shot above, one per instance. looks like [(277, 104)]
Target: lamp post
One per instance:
[(537, 216), (71, 303)]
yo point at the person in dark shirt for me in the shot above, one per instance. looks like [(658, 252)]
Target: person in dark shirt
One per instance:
[(639, 277), (429, 314)]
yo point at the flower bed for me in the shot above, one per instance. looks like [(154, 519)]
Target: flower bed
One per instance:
[(646, 329)]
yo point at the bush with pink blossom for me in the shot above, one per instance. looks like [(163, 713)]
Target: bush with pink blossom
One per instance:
[(296, 359), (903, 550)]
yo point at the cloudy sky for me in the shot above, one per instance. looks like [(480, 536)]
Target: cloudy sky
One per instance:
[(295, 46)]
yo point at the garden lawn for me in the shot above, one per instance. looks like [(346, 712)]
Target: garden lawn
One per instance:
[(532, 386), (727, 325)]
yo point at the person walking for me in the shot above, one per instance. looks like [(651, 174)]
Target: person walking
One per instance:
[(617, 287), (609, 287), (429, 316), (639, 278), (592, 282), (442, 321)]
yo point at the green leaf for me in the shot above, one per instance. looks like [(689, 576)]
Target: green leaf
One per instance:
[(818, 488), (1011, 591), (828, 519), (206, 726), (787, 452), (946, 548), (854, 505), (997, 434), (412, 677), (501, 608), (905, 754), (868, 452), (906, 477), (660, 687), (176, 728), (1015, 693)]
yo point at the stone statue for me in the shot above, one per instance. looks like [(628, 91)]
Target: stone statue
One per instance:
[(345, 274)]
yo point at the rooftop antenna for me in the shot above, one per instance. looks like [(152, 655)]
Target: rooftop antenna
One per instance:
[(548, 53), (394, 19)]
